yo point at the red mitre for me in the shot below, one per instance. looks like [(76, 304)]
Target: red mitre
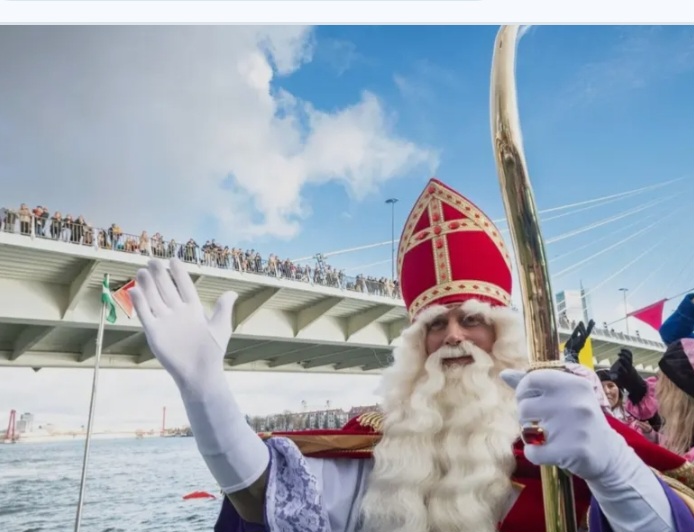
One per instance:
[(449, 252)]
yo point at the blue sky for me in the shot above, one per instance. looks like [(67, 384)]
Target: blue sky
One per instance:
[(222, 127), (604, 110), (210, 132)]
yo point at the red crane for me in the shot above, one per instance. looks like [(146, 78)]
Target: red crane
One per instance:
[(10, 434)]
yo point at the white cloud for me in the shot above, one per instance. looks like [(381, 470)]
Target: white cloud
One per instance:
[(170, 124)]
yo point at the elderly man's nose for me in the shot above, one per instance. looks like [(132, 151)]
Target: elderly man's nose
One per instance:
[(454, 335)]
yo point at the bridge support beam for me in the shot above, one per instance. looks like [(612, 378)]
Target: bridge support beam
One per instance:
[(374, 360), (310, 314), (296, 355), (361, 320), (111, 340), (395, 329), (246, 308), (252, 354), (145, 355), (28, 338), (79, 284), (374, 365), (326, 360)]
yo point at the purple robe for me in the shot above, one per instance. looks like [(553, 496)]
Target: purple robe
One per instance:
[(682, 516), (294, 503)]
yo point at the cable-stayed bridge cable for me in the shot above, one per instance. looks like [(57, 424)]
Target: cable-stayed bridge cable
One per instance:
[(633, 291), (621, 270), (605, 199), (604, 237), (609, 248), (585, 294), (675, 279), (605, 221), (363, 267)]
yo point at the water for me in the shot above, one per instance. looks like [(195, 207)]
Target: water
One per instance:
[(132, 486)]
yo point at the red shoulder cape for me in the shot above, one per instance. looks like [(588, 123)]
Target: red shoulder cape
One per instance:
[(360, 435)]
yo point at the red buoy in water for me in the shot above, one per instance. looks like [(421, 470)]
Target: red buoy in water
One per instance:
[(198, 495)]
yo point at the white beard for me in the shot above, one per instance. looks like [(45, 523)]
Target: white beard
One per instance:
[(446, 456)]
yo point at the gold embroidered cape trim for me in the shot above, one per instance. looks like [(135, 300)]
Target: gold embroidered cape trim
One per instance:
[(338, 443), (372, 420), (684, 474)]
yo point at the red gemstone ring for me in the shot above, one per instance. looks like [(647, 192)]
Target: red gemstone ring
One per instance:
[(533, 434)]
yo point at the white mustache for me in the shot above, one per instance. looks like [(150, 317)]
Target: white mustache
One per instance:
[(481, 358), (465, 349)]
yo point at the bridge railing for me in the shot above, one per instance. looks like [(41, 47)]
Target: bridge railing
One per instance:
[(82, 234), (86, 235), (614, 335), (617, 337)]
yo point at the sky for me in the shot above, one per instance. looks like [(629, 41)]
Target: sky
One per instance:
[(290, 139)]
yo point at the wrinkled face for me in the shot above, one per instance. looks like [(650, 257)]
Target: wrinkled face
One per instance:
[(612, 392), (453, 328)]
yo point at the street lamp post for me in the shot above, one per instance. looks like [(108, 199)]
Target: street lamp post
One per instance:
[(626, 312), (392, 202)]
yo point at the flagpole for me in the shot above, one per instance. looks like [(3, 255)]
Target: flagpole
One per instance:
[(92, 405)]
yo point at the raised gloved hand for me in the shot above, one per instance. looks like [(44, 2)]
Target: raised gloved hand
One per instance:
[(188, 344), (580, 440), (628, 378), (577, 340), (191, 347)]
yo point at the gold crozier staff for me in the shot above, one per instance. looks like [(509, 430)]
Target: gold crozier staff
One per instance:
[(538, 305)]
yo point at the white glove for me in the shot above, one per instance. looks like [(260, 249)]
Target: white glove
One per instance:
[(191, 347), (188, 345), (580, 440)]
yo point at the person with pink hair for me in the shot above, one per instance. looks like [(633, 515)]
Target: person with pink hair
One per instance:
[(666, 400), (669, 396)]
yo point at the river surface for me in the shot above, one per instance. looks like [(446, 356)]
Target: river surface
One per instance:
[(132, 486)]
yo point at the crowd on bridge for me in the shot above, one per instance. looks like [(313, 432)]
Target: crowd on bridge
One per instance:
[(40, 222), (605, 329)]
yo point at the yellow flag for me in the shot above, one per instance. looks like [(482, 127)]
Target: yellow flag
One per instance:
[(585, 357)]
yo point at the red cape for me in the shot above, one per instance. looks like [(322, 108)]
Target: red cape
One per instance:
[(360, 435)]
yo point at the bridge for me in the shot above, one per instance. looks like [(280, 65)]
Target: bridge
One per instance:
[(49, 312)]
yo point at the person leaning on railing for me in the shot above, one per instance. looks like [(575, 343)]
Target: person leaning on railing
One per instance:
[(78, 231), (24, 219)]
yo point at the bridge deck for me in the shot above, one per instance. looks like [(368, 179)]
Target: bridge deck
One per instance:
[(50, 305)]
